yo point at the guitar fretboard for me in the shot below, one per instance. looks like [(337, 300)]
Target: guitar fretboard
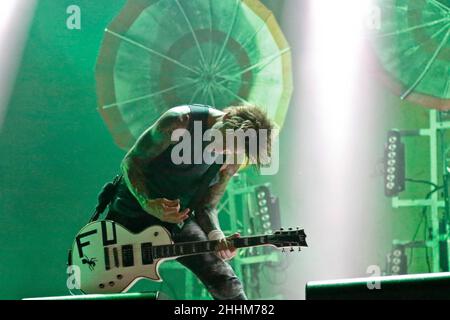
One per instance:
[(188, 248), (127, 255)]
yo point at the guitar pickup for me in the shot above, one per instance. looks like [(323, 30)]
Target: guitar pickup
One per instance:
[(146, 253), (127, 255)]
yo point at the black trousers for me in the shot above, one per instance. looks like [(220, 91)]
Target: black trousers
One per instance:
[(217, 275)]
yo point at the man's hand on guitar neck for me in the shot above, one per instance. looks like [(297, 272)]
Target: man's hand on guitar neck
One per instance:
[(224, 249)]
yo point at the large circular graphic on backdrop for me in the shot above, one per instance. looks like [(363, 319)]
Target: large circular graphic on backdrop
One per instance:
[(413, 48), (157, 54)]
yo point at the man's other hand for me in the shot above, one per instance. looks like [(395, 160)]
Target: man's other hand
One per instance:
[(224, 248), (167, 210)]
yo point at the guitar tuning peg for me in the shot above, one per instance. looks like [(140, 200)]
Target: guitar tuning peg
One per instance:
[(281, 229), (292, 249), (290, 228), (299, 249), (283, 250)]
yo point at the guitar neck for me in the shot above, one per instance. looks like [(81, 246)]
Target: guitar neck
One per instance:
[(189, 248)]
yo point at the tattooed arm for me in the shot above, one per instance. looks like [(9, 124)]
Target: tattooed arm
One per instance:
[(150, 144), (206, 213)]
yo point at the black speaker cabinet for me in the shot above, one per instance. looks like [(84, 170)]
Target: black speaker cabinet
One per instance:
[(406, 287)]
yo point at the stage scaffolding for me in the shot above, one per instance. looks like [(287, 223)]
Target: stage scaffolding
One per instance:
[(438, 202)]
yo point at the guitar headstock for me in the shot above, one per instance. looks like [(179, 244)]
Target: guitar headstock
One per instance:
[(289, 238)]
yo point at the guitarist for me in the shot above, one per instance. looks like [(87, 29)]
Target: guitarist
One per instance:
[(155, 190)]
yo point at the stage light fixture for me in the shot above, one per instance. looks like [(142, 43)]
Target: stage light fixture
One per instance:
[(394, 164), (397, 261), (268, 209)]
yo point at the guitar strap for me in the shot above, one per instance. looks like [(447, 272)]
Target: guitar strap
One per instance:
[(105, 197)]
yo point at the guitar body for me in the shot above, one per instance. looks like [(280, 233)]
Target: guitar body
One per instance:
[(110, 259)]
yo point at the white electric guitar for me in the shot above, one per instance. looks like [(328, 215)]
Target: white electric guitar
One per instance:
[(110, 259)]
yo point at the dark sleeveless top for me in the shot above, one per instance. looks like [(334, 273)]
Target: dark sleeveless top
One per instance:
[(164, 179)]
